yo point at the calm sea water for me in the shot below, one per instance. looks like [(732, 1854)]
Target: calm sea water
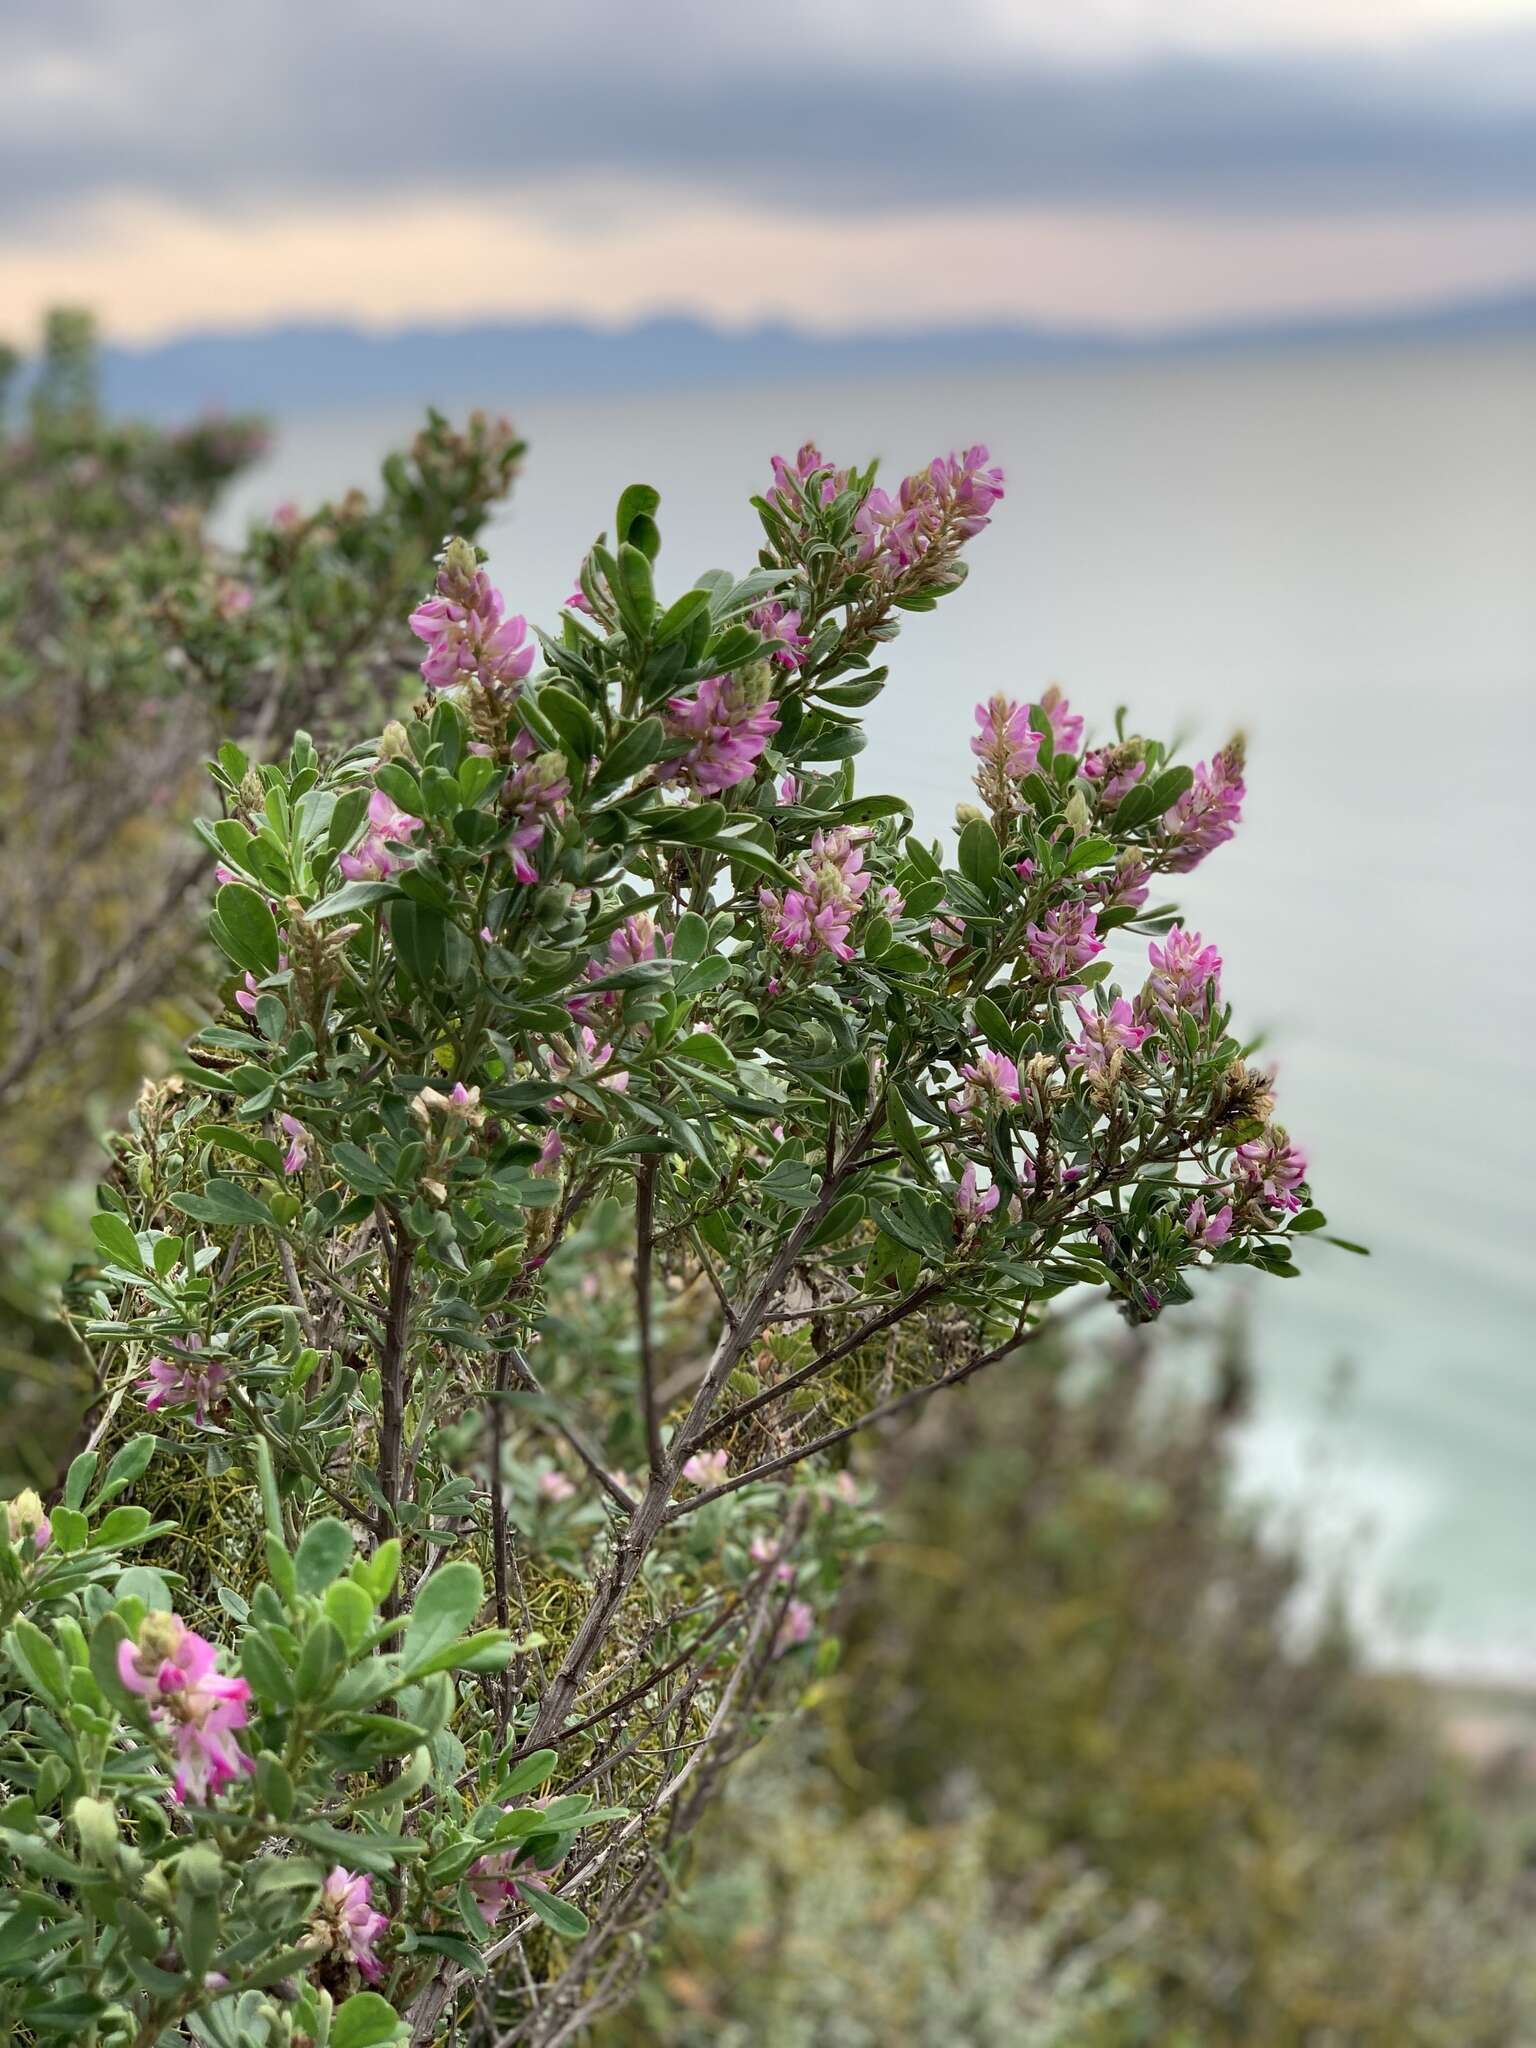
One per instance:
[(1334, 553)]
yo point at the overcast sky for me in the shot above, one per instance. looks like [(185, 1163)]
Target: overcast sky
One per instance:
[(828, 162)]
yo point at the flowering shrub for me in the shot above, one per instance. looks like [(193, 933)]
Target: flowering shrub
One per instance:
[(130, 645), (613, 1115)]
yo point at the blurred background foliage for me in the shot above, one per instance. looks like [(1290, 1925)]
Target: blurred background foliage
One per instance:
[(130, 646), (1082, 1779)]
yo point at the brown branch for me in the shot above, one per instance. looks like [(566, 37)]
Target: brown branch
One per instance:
[(645, 1212), (882, 1413), (887, 1319)]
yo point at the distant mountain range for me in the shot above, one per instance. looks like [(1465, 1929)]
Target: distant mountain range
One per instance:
[(298, 368)]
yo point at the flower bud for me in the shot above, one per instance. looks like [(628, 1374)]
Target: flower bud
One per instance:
[(968, 814), (96, 1825), (394, 742)]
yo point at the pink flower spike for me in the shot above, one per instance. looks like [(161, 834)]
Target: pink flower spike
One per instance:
[(797, 1627), (1007, 740), (350, 1923), (1106, 1037), (173, 1668)]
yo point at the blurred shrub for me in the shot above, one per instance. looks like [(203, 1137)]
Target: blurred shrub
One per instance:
[(130, 645), (1076, 1662)]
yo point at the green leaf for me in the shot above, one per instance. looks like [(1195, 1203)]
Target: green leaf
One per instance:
[(562, 1918), (70, 1530), (225, 1201), (128, 1464), (744, 853), (419, 933), (488, 1650), (690, 941), (677, 618), (992, 1024), (38, 1661), (116, 1239), (324, 1552), (445, 1606), (351, 896), (580, 738), (638, 748), (350, 1608), (1090, 853), (367, 2021), (981, 858), (535, 1769), (246, 929)]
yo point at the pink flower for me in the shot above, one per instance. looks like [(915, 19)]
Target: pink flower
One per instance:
[(1273, 1169), (584, 1060), (1007, 740), (172, 1667), (1107, 1036), (1066, 724), (1126, 886), (375, 859), (1114, 771), (892, 902), (348, 1923), (789, 790), (991, 1083), (728, 724), (493, 1884), (763, 1551), (817, 916), (25, 1516), (468, 637), (298, 1143), (1186, 975), (791, 481), (637, 939), (935, 510), (778, 624), (1204, 1230), (250, 991), (1207, 814), (948, 935), (550, 1154), (232, 598), (707, 1468), (554, 1486), (972, 1204), (190, 1380), (578, 601), (1066, 940), (533, 796), (797, 1627)]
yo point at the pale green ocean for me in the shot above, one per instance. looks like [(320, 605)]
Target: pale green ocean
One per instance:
[(1335, 552)]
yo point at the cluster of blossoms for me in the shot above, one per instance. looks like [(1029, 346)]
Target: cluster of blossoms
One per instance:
[(1207, 814), (1272, 1169), (727, 723), (468, 635), (991, 1083), (637, 939), (1067, 939), (174, 1669), (780, 626), (384, 847), (534, 796), (1186, 975), (346, 1924), (817, 916), (194, 1379), (1107, 1036), (791, 480), (932, 512)]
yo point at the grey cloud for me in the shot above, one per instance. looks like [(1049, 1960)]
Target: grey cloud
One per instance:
[(237, 105)]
